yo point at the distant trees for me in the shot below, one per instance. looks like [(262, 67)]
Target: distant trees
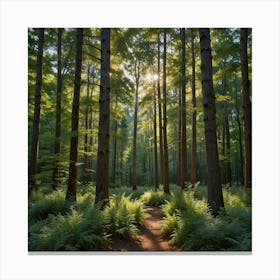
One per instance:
[(215, 196), (72, 181), (33, 167), (148, 126)]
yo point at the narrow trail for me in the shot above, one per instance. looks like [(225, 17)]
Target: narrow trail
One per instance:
[(149, 237)]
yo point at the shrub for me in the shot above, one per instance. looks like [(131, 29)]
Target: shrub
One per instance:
[(153, 198)]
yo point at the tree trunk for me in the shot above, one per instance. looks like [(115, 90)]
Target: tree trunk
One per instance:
[(134, 153), (194, 156), (164, 132), (115, 150), (102, 169), (180, 139), (159, 112), (184, 158), (55, 176), (33, 168), (72, 181), (246, 108), (86, 144), (155, 141), (215, 195), (239, 135)]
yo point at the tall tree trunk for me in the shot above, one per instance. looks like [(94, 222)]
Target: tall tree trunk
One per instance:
[(86, 144), (227, 135), (184, 158), (102, 169), (159, 112), (246, 108), (55, 176), (134, 153), (194, 156), (155, 141), (33, 168), (115, 148), (164, 132), (215, 195), (239, 134), (180, 139), (72, 181)]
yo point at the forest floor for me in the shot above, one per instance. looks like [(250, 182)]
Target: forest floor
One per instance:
[(148, 238)]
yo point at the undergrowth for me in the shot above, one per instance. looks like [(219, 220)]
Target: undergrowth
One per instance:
[(84, 227), (189, 224)]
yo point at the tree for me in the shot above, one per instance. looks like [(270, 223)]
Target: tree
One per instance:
[(194, 156), (246, 103), (72, 181), (58, 112), (134, 147), (159, 109), (155, 137), (164, 130), (102, 169), (215, 195), (33, 169), (184, 158)]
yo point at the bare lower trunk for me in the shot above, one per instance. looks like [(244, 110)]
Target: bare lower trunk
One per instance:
[(215, 196), (165, 145), (55, 176), (246, 108), (194, 156), (134, 153), (102, 169), (155, 143), (72, 181), (184, 167)]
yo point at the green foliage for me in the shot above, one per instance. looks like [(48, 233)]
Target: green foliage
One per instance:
[(153, 198), (123, 215), (53, 227), (50, 204), (189, 224)]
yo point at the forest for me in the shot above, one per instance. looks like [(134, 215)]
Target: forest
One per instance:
[(139, 139)]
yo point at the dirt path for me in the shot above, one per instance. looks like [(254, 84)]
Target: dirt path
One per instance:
[(149, 237)]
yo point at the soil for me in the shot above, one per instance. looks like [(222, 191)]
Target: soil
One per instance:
[(149, 237)]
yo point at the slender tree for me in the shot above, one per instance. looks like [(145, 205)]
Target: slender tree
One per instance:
[(215, 195), (159, 109), (102, 169), (55, 177), (33, 168), (194, 156), (247, 115), (184, 166), (134, 147), (164, 132), (155, 140), (72, 181)]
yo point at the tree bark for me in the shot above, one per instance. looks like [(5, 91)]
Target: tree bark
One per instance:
[(215, 195), (184, 158), (86, 144), (102, 169), (72, 181), (155, 141), (179, 139), (134, 153), (194, 155), (239, 135), (159, 111), (55, 176), (247, 114), (33, 168), (115, 148), (164, 132)]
